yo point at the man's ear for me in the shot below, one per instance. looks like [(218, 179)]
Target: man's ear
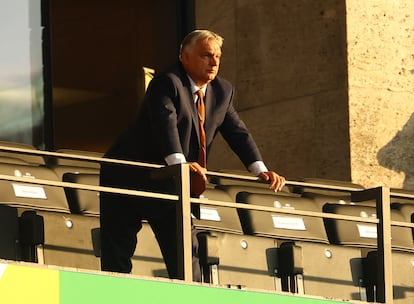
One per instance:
[(184, 57)]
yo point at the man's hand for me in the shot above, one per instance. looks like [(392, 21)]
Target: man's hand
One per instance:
[(197, 169), (276, 182)]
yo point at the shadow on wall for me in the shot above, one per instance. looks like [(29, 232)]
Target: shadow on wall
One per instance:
[(398, 154)]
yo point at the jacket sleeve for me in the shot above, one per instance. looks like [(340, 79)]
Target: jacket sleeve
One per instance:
[(161, 108)]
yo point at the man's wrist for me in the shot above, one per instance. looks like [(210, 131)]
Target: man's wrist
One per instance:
[(257, 167), (175, 158)]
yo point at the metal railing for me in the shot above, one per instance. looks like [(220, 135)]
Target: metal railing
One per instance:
[(183, 200)]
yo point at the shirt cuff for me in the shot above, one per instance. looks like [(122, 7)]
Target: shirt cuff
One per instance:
[(175, 158), (257, 167)]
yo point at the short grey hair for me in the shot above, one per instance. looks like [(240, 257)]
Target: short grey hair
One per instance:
[(196, 35)]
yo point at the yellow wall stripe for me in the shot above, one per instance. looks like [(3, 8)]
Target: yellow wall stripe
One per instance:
[(38, 285)]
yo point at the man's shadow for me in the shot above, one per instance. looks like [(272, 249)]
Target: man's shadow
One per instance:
[(398, 154)]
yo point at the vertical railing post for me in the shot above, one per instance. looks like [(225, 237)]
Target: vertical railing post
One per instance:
[(183, 213), (385, 284), (382, 197)]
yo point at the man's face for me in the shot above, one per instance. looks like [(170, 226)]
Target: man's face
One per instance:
[(202, 61)]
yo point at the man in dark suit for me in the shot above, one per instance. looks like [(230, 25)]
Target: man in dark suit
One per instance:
[(166, 131)]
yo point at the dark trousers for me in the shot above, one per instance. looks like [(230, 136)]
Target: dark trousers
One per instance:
[(121, 219)]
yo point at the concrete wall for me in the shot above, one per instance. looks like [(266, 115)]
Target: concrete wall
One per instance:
[(381, 91), (326, 87), (287, 60)]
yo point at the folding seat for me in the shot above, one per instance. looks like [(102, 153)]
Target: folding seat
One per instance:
[(84, 205), (356, 242), (62, 165), (80, 201), (303, 261), (24, 194), (12, 157), (48, 202), (281, 225), (404, 204), (9, 233), (217, 218), (397, 196), (328, 195), (402, 267), (294, 234), (351, 233), (212, 220), (326, 186), (20, 236), (235, 189)]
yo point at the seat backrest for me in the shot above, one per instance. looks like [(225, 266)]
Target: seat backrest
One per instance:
[(326, 191), (399, 199), (82, 201), (63, 165), (11, 157), (281, 225), (218, 218), (234, 189), (26, 195), (362, 234)]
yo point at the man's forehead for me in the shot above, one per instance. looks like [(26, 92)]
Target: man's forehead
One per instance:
[(209, 45)]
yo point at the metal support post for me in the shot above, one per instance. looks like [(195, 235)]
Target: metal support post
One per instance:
[(382, 196), (183, 213)]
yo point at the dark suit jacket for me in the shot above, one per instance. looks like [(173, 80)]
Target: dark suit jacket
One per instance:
[(168, 123)]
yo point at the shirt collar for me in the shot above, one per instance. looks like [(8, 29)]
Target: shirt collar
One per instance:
[(195, 88)]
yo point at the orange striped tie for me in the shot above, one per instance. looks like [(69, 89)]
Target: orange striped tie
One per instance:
[(198, 185)]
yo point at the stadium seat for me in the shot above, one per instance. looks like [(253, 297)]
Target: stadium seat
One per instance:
[(82, 201), (359, 234), (12, 157), (62, 165), (321, 195), (9, 233), (281, 225), (234, 189), (330, 183), (26, 195), (216, 218)]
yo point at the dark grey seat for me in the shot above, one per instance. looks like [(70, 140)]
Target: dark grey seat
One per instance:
[(63, 165), (82, 201), (218, 218), (351, 233), (26, 195), (281, 225)]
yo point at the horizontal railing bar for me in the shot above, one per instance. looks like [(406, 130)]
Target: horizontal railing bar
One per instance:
[(403, 195), (209, 173), (402, 224), (285, 211), (172, 197), (175, 197), (80, 157), (89, 187)]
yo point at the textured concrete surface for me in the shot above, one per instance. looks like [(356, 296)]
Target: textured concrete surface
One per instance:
[(287, 60), (326, 87), (381, 91)]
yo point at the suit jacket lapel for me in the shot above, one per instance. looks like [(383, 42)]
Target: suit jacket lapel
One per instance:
[(189, 101)]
